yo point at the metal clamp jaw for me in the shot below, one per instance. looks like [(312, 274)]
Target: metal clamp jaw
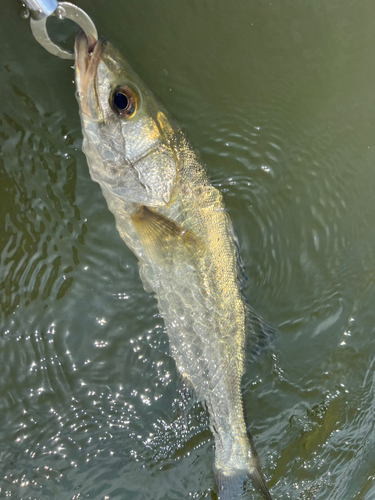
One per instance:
[(42, 9)]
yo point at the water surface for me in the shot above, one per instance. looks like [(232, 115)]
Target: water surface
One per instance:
[(279, 99)]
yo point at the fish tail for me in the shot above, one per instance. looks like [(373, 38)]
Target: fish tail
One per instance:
[(233, 486)]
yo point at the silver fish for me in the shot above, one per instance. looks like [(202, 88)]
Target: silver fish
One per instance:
[(174, 221)]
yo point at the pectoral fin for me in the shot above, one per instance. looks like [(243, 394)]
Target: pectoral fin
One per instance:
[(161, 237)]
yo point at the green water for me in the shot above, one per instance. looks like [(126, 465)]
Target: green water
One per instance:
[(279, 98)]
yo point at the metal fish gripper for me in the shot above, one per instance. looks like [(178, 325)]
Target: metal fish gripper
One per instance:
[(40, 10)]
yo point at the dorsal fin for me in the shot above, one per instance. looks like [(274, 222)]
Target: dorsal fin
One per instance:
[(241, 275), (259, 332)]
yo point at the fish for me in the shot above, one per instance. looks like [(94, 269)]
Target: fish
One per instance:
[(174, 221)]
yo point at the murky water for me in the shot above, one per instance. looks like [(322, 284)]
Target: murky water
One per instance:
[(279, 99)]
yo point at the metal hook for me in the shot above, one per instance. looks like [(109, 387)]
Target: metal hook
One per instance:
[(64, 10)]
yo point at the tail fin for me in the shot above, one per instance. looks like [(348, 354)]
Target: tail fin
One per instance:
[(259, 483), (234, 486)]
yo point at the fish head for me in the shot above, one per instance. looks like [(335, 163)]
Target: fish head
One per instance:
[(129, 140)]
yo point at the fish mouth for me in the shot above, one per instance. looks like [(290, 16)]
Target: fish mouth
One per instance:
[(87, 58)]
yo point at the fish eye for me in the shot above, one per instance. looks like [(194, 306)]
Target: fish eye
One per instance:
[(124, 101)]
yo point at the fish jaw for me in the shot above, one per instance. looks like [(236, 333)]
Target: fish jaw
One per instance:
[(86, 64)]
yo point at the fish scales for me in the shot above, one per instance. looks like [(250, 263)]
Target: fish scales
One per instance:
[(174, 221)]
